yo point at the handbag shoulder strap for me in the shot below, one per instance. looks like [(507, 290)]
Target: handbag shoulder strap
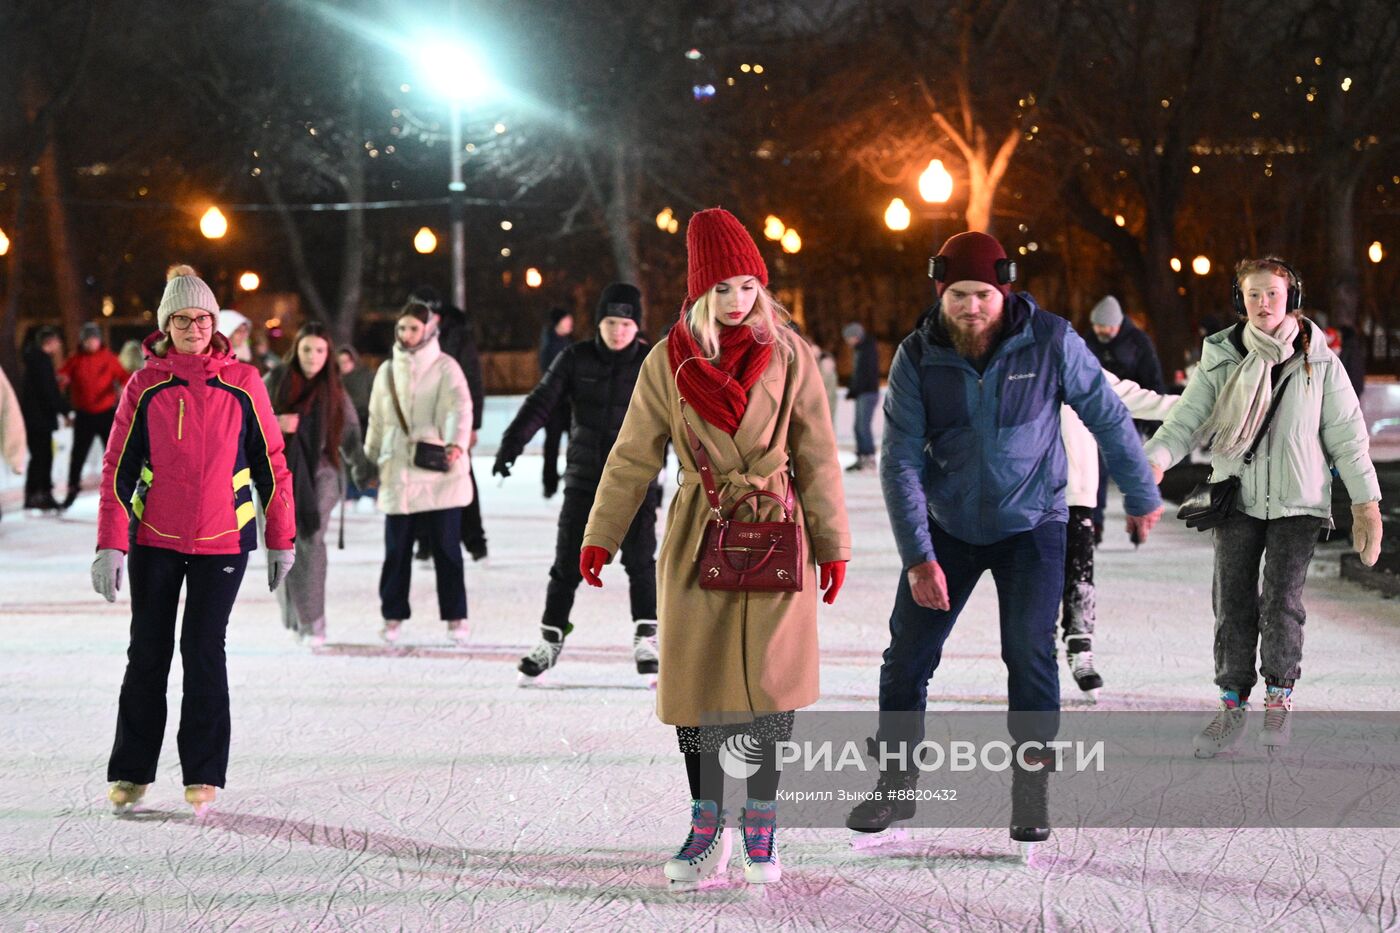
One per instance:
[(394, 394), (1268, 418), (707, 471)]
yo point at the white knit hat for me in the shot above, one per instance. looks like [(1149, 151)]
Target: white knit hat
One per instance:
[(184, 289)]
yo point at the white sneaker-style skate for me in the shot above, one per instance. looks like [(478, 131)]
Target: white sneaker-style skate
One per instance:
[(644, 652), (1226, 729), (458, 631), (1081, 667), (125, 795), (706, 850), (201, 797), (542, 657), (1278, 721), (759, 823), (390, 631)]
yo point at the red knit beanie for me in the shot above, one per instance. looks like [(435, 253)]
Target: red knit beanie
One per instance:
[(972, 257), (719, 248)]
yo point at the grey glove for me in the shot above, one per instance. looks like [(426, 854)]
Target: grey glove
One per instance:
[(107, 573), (279, 564)]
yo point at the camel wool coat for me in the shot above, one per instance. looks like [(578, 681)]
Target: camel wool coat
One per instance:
[(728, 657)]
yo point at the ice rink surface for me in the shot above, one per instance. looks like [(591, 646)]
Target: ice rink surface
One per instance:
[(418, 788)]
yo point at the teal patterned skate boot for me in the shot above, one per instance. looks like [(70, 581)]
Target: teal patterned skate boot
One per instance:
[(706, 849), (759, 822)]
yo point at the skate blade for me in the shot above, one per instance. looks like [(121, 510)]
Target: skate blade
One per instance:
[(717, 880), (861, 841), (1091, 696), (650, 680), (1028, 853), (201, 810), (524, 680)]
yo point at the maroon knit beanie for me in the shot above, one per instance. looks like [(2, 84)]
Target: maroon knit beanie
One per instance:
[(972, 257), (719, 248)]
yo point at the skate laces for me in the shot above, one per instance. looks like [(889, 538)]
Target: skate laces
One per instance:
[(1083, 661), (704, 827), (1277, 706), (544, 653), (1224, 721), (644, 646), (760, 824)]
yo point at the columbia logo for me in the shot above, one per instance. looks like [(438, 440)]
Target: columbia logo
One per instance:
[(1020, 376)]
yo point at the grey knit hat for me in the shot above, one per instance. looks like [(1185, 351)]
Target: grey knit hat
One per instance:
[(184, 289), (1107, 313), (89, 329), (854, 332)]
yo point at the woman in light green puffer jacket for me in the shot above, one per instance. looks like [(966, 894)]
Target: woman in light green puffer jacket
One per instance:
[(1285, 492)]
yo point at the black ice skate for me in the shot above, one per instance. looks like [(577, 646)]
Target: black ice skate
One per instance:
[(1081, 667), (1030, 805), (644, 652), (544, 656), (890, 803)]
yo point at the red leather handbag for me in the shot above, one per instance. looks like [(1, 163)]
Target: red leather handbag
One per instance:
[(746, 556)]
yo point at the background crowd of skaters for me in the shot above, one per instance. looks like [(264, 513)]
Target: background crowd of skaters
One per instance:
[(1006, 474)]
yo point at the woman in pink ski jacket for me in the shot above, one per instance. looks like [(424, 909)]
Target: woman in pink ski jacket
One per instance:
[(194, 435)]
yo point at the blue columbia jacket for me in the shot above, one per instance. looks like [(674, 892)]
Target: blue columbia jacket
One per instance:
[(980, 453)]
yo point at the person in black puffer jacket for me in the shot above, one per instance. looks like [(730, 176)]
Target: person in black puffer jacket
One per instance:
[(597, 376)]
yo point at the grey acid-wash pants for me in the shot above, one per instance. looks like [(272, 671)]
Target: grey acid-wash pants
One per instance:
[(1270, 621)]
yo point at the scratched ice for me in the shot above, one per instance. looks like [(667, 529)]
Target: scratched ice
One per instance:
[(420, 788)]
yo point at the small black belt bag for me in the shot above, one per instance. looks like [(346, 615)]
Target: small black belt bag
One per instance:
[(1210, 504), (426, 456)]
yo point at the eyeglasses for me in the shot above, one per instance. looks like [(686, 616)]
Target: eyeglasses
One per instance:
[(183, 322)]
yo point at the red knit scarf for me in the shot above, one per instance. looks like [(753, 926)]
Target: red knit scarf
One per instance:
[(719, 390)]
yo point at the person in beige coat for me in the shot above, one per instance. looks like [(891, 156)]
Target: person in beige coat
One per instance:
[(420, 396), (734, 664), (13, 447)]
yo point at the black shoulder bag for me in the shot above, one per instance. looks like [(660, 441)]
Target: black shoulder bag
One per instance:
[(1210, 504), (426, 456)]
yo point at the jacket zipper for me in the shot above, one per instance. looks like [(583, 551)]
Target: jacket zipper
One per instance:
[(180, 425)]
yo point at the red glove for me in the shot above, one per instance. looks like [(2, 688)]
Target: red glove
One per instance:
[(590, 561), (833, 575)]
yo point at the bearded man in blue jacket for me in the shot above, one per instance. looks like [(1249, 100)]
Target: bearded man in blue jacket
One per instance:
[(973, 472)]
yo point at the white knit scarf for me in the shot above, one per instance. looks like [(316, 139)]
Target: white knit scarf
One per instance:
[(1245, 398)]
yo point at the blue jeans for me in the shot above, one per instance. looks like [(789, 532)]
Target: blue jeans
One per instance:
[(1029, 571), (866, 403)]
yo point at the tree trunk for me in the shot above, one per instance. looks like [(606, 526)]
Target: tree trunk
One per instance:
[(352, 259), (621, 213), (1344, 286), (1171, 322), (64, 263)]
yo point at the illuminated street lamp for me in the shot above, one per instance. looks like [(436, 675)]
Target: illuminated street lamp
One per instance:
[(773, 228), (4, 243), (1176, 264), (897, 215), (663, 220), (1200, 265), (792, 243), (1376, 252), (457, 73), (249, 281), (213, 224), (935, 184), (425, 241), (533, 279)]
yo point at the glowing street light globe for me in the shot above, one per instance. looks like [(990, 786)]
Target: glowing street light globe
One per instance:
[(792, 243), (4, 243), (425, 241), (773, 228), (1376, 252), (213, 224), (663, 219), (1200, 265), (935, 184), (249, 281), (1176, 264), (897, 215), (533, 279), (455, 71)]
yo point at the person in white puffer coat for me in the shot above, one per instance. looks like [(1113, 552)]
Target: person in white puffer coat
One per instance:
[(1079, 614), (1285, 493), (420, 396)]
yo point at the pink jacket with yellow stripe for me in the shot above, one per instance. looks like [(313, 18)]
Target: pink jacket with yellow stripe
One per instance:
[(193, 436)]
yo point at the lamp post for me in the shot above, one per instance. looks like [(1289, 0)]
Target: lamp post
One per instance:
[(455, 71)]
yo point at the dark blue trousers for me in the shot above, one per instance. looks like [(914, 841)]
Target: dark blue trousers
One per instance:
[(1028, 569), (156, 576), (443, 529)]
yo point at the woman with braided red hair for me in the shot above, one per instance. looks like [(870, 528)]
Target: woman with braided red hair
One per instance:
[(743, 401)]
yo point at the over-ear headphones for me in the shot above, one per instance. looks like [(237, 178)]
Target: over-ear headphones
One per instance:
[(1295, 290), (1005, 269)]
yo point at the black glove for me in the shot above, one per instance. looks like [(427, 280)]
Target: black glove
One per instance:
[(501, 467)]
